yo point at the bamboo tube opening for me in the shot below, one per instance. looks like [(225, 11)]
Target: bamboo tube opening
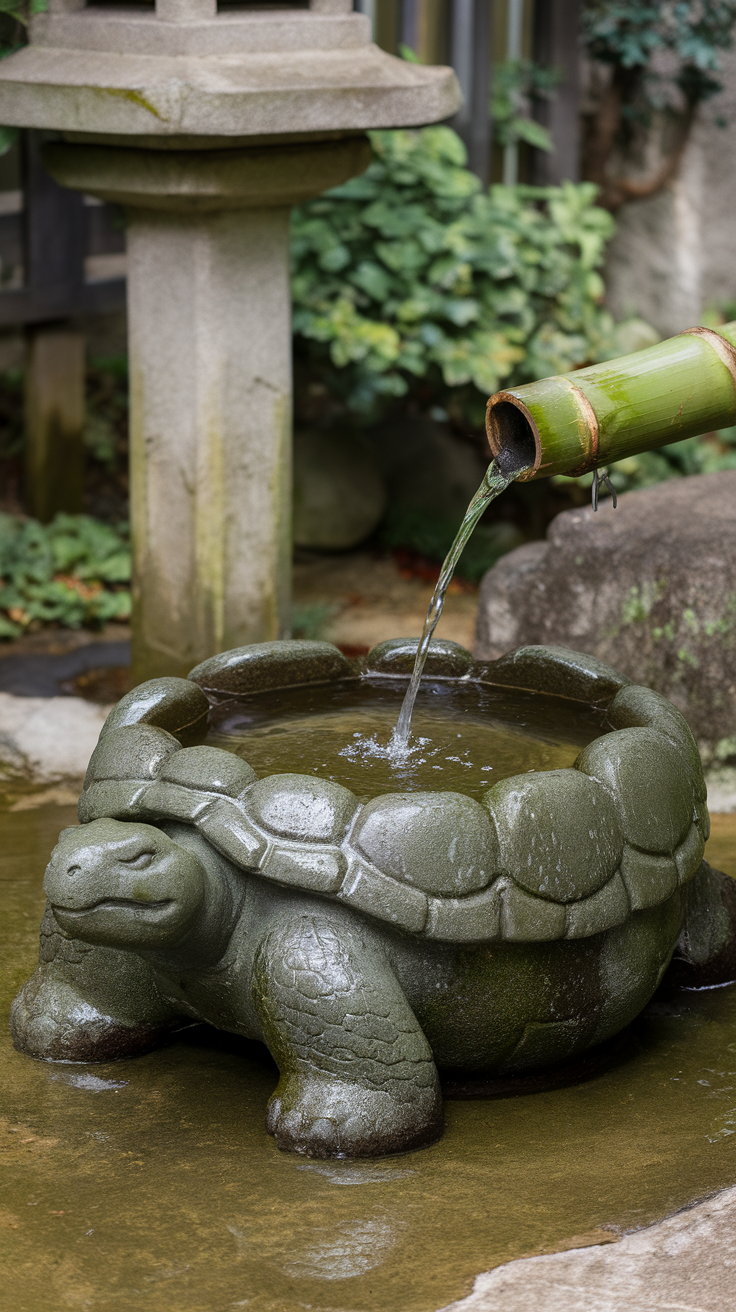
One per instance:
[(512, 434)]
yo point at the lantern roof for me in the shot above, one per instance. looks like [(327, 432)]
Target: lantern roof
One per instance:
[(179, 70)]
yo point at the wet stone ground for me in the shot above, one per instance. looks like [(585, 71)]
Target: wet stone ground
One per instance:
[(152, 1184)]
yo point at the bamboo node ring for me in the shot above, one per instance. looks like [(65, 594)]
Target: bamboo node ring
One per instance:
[(724, 350)]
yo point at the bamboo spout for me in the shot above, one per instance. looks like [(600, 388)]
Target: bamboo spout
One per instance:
[(575, 422)]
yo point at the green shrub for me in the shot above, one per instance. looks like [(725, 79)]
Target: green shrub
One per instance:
[(75, 571), (412, 278)]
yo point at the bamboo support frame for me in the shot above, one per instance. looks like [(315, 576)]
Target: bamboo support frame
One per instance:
[(573, 423)]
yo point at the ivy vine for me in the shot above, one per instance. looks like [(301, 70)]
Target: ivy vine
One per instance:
[(648, 59)]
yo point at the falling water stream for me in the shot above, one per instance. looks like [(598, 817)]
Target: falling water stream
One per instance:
[(495, 481)]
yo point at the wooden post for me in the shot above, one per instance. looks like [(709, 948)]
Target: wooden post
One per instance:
[(54, 397), (54, 242), (470, 56), (556, 45)]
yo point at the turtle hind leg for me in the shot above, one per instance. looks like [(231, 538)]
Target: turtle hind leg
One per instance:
[(86, 1004), (357, 1075), (705, 955)]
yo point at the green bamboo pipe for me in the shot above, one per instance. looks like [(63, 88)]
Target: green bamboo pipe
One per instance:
[(575, 422)]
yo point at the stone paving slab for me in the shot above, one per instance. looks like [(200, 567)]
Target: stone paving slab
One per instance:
[(47, 739), (684, 1264)]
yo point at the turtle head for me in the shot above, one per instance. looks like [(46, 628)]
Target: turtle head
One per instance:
[(124, 885)]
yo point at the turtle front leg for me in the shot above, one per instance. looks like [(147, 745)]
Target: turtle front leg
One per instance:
[(357, 1075), (87, 1003)]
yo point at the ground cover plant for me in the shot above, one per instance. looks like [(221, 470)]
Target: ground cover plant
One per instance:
[(72, 572)]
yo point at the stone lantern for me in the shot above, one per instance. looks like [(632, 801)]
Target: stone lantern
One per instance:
[(207, 126)]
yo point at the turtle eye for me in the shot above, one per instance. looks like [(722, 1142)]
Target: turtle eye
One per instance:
[(139, 862)]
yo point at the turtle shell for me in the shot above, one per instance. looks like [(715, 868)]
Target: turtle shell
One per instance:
[(556, 854)]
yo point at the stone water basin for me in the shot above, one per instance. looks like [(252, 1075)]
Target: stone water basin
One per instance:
[(471, 734)]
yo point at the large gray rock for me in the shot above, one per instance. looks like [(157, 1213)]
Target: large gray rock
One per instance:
[(650, 588), (685, 1262), (339, 494)]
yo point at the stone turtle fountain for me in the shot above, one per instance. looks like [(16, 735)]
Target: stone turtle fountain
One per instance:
[(373, 937), (369, 943)]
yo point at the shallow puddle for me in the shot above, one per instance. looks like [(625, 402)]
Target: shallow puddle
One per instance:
[(151, 1184)]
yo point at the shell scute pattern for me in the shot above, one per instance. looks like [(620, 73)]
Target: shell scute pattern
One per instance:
[(302, 807), (557, 670), (174, 802), (649, 879), (472, 919), (558, 833), (318, 869), (653, 790), (264, 665), (440, 842), (526, 919), (602, 910), (132, 752), (557, 854), (638, 707), (176, 705), (113, 798), (231, 832), (208, 768), (689, 854), (369, 890)]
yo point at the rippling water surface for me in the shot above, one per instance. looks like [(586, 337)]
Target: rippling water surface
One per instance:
[(465, 737)]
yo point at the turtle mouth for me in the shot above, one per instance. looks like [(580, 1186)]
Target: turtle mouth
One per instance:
[(112, 904)]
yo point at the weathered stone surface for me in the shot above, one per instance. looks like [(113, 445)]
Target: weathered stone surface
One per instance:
[(47, 738), (379, 895), (473, 919), (201, 181), (559, 834), (601, 911), (526, 919), (176, 705), (225, 100), (556, 670), (321, 871), (232, 834), (652, 786), (689, 855), (339, 494), (649, 879), (116, 798), (397, 655), (440, 842), (133, 752), (209, 768), (648, 587), (637, 707), (684, 1262), (299, 807), (263, 665)]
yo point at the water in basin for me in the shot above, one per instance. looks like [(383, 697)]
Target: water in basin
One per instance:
[(465, 736)]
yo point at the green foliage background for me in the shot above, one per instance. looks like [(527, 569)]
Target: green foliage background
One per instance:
[(666, 51), (75, 571), (412, 279)]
